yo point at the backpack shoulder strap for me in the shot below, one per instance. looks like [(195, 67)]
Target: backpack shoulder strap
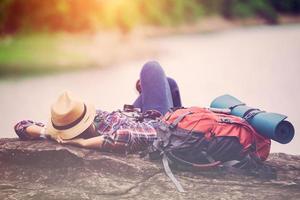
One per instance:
[(211, 164), (174, 124), (170, 174)]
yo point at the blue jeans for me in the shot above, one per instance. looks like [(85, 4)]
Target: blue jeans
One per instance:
[(158, 92)]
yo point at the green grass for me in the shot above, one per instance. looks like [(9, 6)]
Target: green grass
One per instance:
[(40, 53)]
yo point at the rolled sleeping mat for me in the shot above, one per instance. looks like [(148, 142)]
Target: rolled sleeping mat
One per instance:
[(270, 125)]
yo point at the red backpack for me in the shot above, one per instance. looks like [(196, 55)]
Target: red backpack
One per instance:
[(197, 138), (212, 124)]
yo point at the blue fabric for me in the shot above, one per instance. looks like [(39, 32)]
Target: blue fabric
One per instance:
[(158, 92), (271, 125), (175, 92)]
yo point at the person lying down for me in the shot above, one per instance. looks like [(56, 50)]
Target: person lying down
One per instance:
[(78, 123)]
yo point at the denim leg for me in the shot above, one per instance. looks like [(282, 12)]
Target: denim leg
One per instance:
[(175, 92), (138, 102), (156, 94)]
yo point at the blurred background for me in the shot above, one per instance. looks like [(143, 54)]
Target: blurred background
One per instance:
[(95, 48)]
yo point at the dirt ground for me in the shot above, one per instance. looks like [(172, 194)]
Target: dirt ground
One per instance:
[(258, 65)]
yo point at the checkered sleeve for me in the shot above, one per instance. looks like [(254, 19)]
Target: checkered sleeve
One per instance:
[(118, 142), (20, 129), (128, 141), (141, 139)]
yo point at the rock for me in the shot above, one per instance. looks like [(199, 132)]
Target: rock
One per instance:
[(47, 170)]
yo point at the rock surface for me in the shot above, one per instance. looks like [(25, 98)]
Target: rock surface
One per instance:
[(46, 170)]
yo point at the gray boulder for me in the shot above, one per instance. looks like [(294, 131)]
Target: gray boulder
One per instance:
[(46, 170)]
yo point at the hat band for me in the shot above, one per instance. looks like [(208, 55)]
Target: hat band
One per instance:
[(74, 123)]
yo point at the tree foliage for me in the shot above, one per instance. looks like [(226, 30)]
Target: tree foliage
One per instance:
[(90, 15)]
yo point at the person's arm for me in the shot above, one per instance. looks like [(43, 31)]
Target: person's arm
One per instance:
[(35, 131), (30, 130), (116, 144), (91, 143)]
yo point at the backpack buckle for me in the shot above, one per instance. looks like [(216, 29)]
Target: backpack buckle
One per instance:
[(172, 126), (226, 120)]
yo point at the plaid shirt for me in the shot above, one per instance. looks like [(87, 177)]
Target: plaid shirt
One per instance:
[(121, 133)]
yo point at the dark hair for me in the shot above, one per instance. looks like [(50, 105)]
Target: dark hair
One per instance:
[(88, 133)]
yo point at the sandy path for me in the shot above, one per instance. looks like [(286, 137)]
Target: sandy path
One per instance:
[(258, 65)]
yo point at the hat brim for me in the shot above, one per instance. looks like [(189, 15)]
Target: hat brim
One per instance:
[(77, 129)]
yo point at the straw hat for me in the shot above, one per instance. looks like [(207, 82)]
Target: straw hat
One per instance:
[(70, 117)]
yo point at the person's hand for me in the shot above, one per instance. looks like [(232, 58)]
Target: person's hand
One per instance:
[(76, 142), (56, 138)]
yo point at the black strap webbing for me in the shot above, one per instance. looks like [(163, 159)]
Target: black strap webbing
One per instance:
[(195, 166), (250, 114), (170, 174), (178, 119)]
